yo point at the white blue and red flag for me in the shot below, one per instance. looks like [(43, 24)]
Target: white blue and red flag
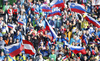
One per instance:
[(92, 20), (48, 27), (21, 22), (46, 8), (14, 49), (57, 3), (54, 13), (76, 49), (10, 26), (77, 8)]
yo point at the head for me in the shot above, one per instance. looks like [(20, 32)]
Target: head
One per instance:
[(29, 20), (29, 38), (53, 51), (85, 58), (18, 32), (2, 53), (40, 56), (17, 40), (1, 37)]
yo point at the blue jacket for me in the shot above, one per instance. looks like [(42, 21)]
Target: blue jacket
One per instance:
[(19, 37), (72, 40)]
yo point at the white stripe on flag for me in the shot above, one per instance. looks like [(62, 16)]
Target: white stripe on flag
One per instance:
[(29, 47)]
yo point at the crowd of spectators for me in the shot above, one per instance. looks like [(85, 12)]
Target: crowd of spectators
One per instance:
[(70, 28)]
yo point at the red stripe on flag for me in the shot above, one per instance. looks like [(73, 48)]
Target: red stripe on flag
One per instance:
[(29, 52), (27, 42)]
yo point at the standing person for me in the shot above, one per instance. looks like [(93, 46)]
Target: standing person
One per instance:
[(52, 56), (2, 43)]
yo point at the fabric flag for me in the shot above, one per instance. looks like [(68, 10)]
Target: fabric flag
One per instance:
[(64, 58), (28, 47), (46, 8), (57, 3), (54, 13), (95, 2), (21, 22), (77, 8), (92, 51), (84, 40), (76, 49), (14, 49), (10, 26), (36, 12), (48, 27), (92, 20)]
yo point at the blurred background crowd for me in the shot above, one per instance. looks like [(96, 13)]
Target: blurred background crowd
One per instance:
[(70, 27)]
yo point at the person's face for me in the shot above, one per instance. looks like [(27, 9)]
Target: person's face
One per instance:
[(29, 38), (18, 33), (5, 59), (53, 52), (40, 56), (8, 34), (29, 12), (30, 59), (6, 3), (78, 59), (17, 41), (10, 41), (1, 38), (85, 58), (29, 19), (2, 54)]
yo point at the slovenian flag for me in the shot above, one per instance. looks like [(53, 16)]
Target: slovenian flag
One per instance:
[(48, 27), (21, 22), (92, 20), (64, 58), (77, 8), (10, 26), (14, 49), (76, 49), (46, 8), (54, 13), (84, 40), (36, 12), (57, 3), (28, 47)]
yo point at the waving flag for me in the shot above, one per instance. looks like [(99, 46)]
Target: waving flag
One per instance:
[(46, 8), (84, 40), (92, 20), (21, 22), (14, 49), (57, 3), (28, 47), (54, 13), (76, 49), (10, 26), (77, 8), (48, 27), (36, 12), (64, 58)]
